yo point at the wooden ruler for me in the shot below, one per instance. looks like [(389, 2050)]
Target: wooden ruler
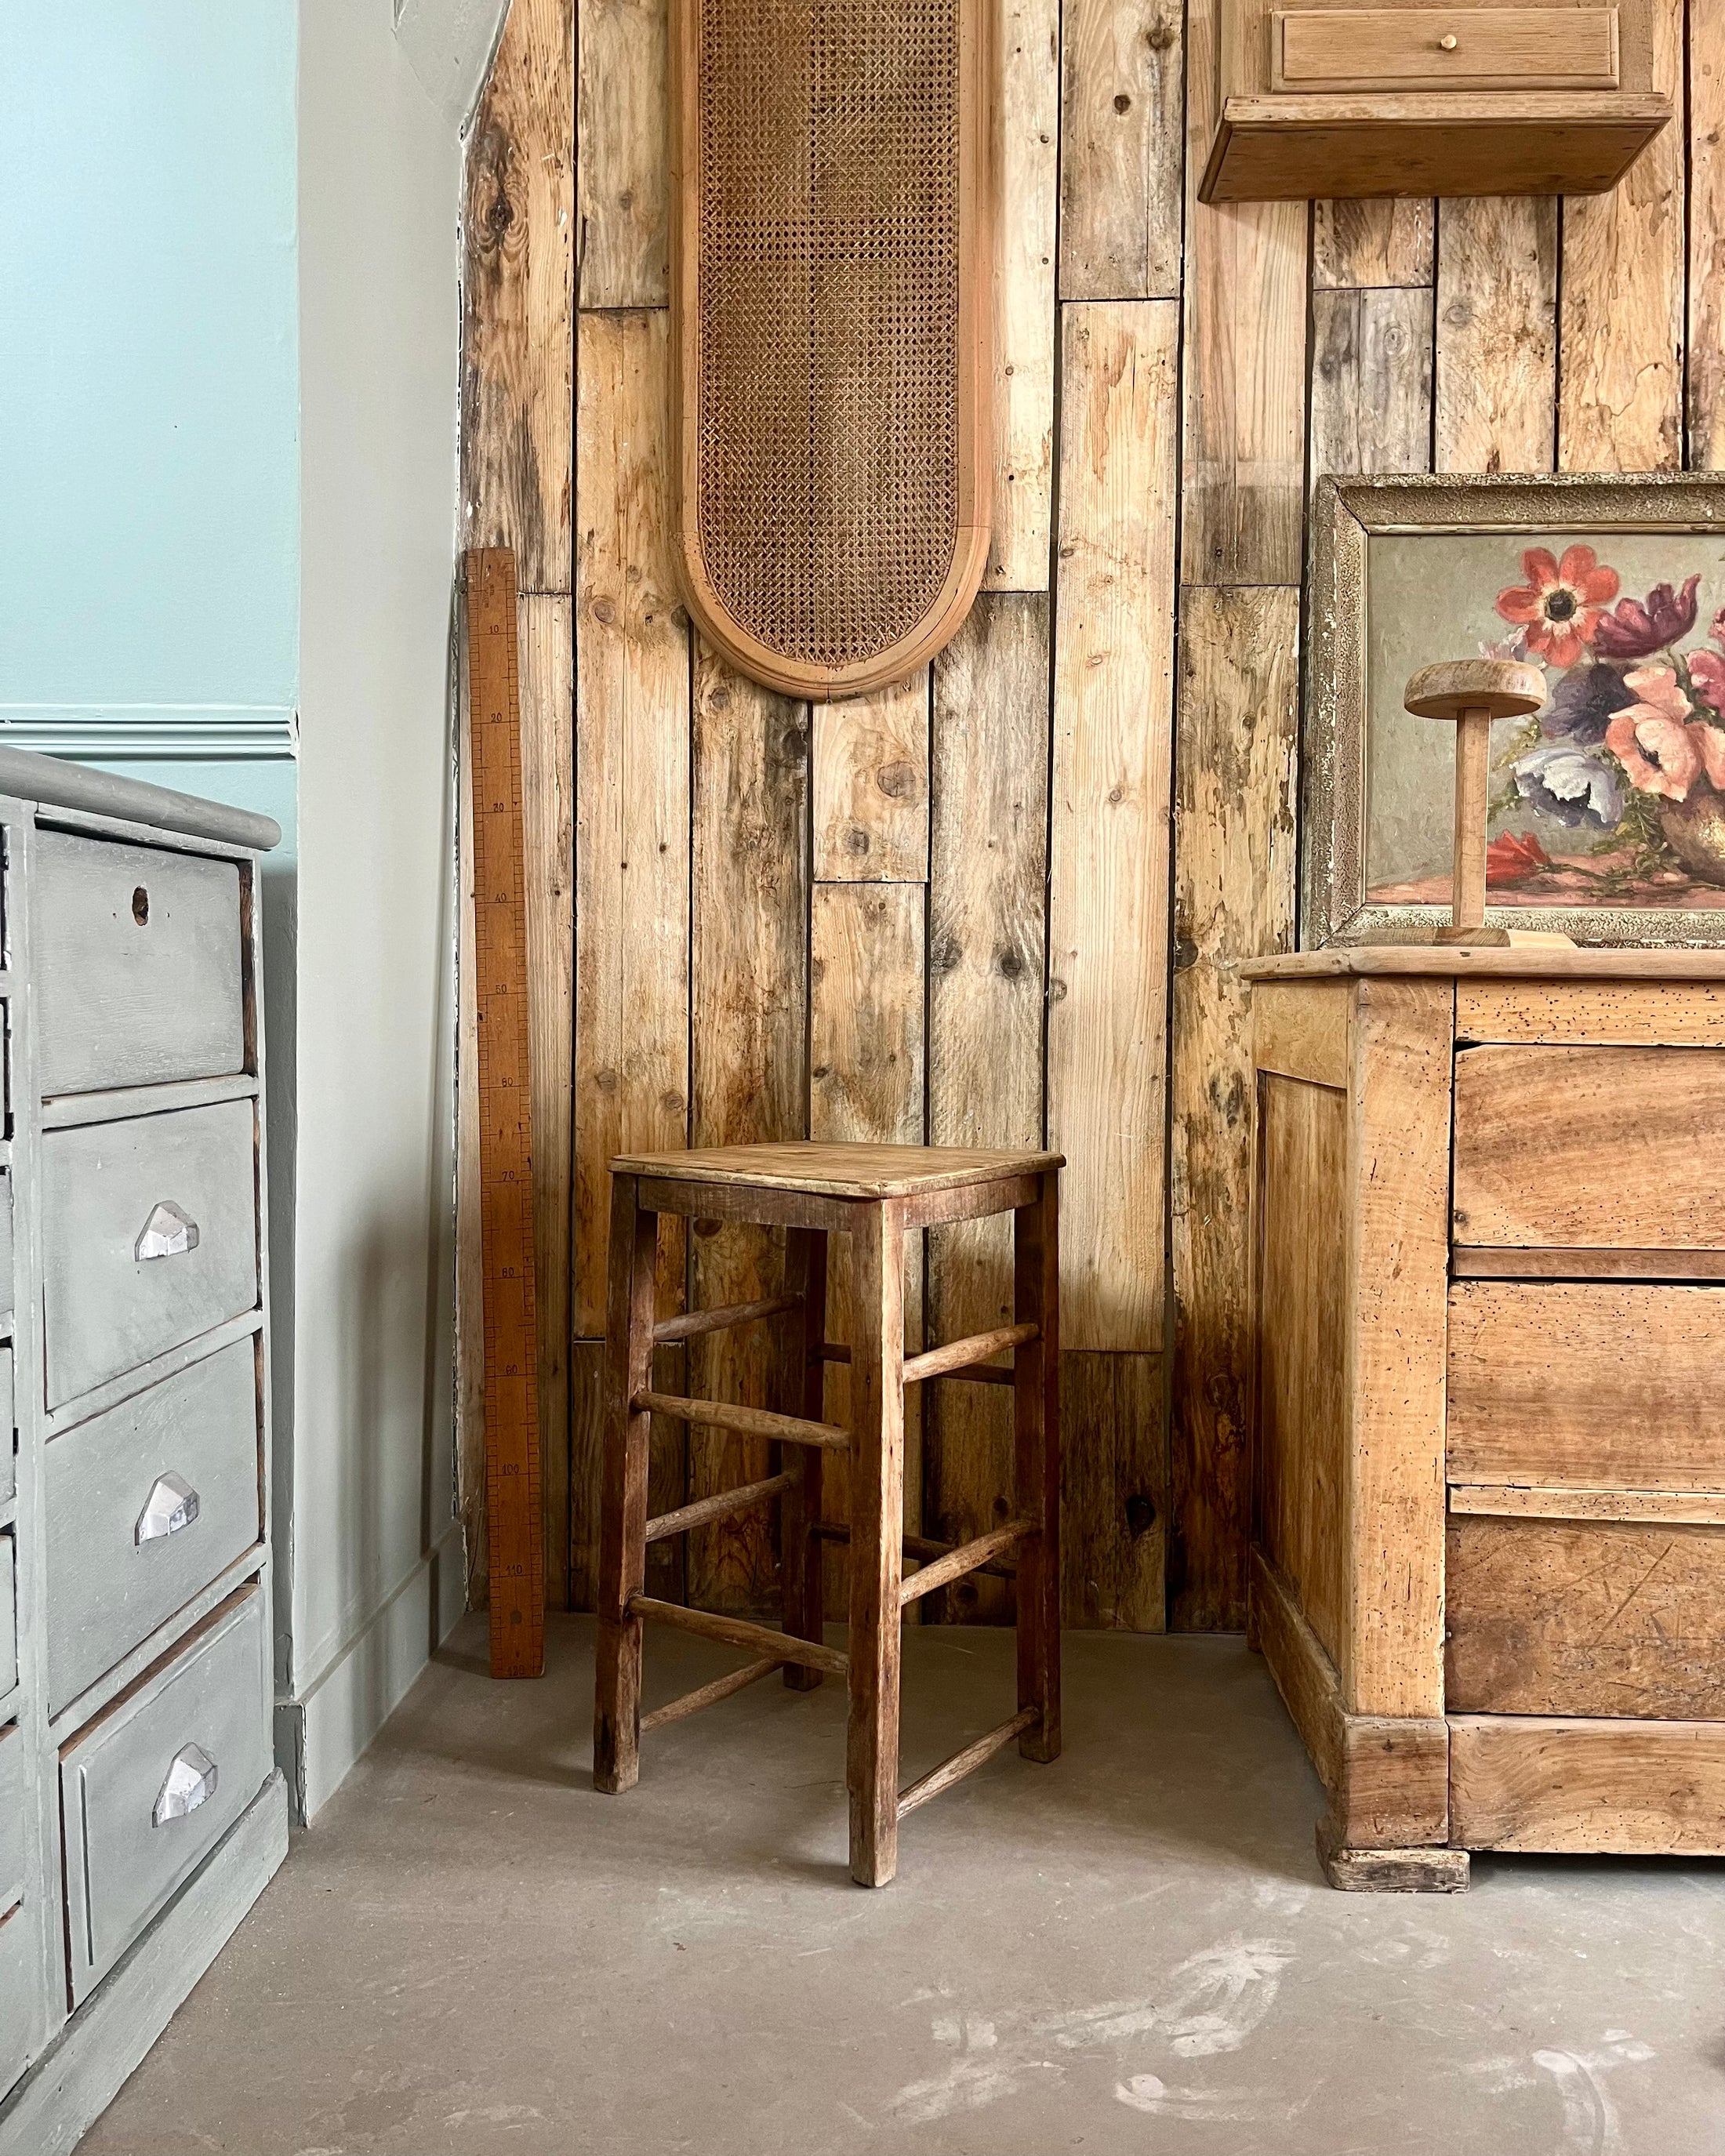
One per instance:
[(514, 1532)]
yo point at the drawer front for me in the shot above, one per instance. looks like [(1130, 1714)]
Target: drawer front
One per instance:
[(114, 1193), (22, 2004), (8, 1430), (8, 1292), (150, 1788), (1590, 1147), (1593, 1384), (1456, 48), (137, 973), (21, 2001), (1595, 1618), (14, 1790), (8, 1614), (146, 1505)]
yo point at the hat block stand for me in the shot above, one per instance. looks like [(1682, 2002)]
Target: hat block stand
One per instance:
[(1470, 693)]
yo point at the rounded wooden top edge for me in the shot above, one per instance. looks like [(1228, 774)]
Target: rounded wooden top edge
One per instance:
[(1507, 688), (1462, 962), (52, 782)]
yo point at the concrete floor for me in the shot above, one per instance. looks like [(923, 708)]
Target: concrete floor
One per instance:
[(1131, 1950)]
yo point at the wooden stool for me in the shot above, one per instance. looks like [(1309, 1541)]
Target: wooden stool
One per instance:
[(876, 1194)]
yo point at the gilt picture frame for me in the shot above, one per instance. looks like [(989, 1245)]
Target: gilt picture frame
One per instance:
[(1607, 824)]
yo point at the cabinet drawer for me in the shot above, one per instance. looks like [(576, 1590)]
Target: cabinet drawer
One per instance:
[(148, 1789), (8, 1430), (1592, 1384), (146, 1505), (8, 1614), (8, 1292), (13, 1793), (138, 967), (1591, 1148), (1456, 48), (21, 2002), (1593, 1617), (182, 1185)]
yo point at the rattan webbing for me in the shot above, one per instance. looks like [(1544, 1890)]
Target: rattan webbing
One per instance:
[(828, 382)]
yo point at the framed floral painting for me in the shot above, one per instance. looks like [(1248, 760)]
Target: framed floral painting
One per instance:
[(1608, 805)]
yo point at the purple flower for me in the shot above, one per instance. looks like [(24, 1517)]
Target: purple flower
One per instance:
[(1571, 787), (1633, 630), (1583, 704)]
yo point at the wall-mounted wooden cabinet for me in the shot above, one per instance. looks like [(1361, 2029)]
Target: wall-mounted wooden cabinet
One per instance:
[(1354, 97)]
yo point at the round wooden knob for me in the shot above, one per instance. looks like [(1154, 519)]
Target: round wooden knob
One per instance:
[(1504, 687), (1449, 42)]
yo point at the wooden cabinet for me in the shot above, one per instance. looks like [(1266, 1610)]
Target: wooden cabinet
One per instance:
[(1351, 97), (1488, 1563)]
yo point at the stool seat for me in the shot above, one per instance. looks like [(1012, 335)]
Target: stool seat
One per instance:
[(840, 1171), (878, 1197)]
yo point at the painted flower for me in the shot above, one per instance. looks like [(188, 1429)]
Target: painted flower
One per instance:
[(1583, 704), (1717, 631), (1569, 785), (1637, 629), (1707, 677), (1660, 748), (1562, 601), (1513, 856)]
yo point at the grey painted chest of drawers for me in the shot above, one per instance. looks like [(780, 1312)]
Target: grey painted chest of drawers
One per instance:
[(141, 1811)]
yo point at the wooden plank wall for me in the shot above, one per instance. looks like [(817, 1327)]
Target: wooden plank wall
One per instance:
[(1008, 898)]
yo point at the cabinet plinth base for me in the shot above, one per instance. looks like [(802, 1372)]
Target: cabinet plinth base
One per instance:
[(1390, 1871)]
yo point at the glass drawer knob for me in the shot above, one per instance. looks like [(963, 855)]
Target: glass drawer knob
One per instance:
[(168, 1233), (171, 1504), (191, 1782)]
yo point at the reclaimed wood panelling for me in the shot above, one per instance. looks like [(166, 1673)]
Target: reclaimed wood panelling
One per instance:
[(1371, 381), (517, 413), (518, 289), (1243, 479), (1234, 842), (1620, 373), (1497, 374), (866, 1050), (632, 795), (1109, 814), (871, 786), (987, 967), (1359, 244), (622, 179), (749, 1006), (1113, 1492), (1706, 400), (1026, 121), (1121, 150), (1436, 339)]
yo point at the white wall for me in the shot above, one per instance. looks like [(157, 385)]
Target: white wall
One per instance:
[(371, 1574)]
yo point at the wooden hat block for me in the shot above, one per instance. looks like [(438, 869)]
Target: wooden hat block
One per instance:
[(1470, 693)]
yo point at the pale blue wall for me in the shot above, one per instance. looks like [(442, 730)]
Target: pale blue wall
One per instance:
[(149, 384)]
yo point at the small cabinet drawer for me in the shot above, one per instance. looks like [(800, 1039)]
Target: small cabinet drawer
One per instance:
[(1595, 1384), (8, 1430), (21, 2000), (1562, 1617), (1455, 48), (146, 1505), (14, 1790), (8, 1614), (1591, 1148), (149, 1238), (152, 1785), (137, 973), (9, 1293)]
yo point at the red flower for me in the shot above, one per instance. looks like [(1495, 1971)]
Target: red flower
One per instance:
[(1636, 631), (1561, 603), (1707, 677), (1513, 857)]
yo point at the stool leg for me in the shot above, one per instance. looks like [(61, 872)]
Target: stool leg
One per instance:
[(877, 1476), (1036, 1466), (802, 1388), (623, 1504)]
